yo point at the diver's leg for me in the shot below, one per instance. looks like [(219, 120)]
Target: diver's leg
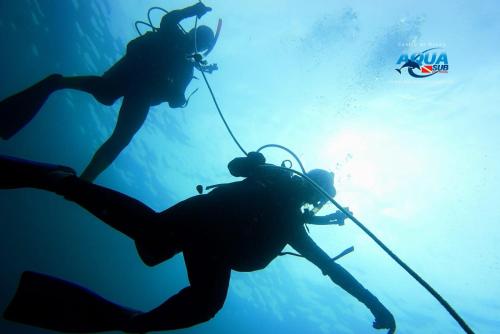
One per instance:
[(20, 173), (55, 304), (106, 88), (18, 110), (172, 230), (209, 282), (118, 210), (133, 113), (99, 87), (121, 212)]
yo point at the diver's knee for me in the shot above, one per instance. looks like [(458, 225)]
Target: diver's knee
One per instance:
[(147, 258), (153, 254), (210, 309), (105, 91), (215, 308), (210, 305)]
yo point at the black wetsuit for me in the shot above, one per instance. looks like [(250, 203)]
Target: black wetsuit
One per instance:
[(156, 68), (240, 226), (244, 224), (155, 65)]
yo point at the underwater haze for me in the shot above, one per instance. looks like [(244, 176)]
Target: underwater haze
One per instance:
[(415, 159)]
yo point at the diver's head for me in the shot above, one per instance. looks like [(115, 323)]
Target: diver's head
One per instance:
[(205, 39), (324, 180)]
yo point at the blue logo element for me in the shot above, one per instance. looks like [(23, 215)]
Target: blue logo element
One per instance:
[(428, 63)]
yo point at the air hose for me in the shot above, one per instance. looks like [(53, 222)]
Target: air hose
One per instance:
[(221, 115), (150, 21), (386, 249), (410, 271), (287, 150), (199, 59)]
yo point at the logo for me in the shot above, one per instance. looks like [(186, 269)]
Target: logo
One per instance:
[(425, 63)]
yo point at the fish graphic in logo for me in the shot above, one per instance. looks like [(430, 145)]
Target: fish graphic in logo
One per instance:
[(427, 62), (410, 64)]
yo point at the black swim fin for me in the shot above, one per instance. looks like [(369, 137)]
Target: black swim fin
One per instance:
[(18, 110), (20, 173), (51, 303)]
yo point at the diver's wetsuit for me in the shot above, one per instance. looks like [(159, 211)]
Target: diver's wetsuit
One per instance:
[(155, 66), (241, 226), (155, 69)]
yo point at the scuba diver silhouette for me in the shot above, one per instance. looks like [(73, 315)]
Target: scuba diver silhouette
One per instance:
[(239, 226), (156, 68)]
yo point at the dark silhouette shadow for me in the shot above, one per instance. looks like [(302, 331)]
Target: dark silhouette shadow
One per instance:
[(240, 226), (156, 68)]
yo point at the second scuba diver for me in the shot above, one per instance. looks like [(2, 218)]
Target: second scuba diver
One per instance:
[(156, 68), (240, 226)]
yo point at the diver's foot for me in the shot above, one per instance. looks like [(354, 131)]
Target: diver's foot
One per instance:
[(18, 110), (20, 173)]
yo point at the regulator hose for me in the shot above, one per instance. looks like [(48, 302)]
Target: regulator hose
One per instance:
[(410, 271)]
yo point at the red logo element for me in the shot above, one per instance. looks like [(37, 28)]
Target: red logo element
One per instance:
[(426, 69)]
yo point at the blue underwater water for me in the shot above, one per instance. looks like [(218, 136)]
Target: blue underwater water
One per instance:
[(416, 159)]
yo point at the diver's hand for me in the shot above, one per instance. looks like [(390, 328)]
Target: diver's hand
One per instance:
[(201, 9), (333, 219), (338, 217), (383, 319)]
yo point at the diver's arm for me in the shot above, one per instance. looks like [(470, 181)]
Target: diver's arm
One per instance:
[(176, 16), (302, 243), (336, 218)]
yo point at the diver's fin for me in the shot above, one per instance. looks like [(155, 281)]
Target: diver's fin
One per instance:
[(20, 173), (18, 110), (399, 70), (51, 303)]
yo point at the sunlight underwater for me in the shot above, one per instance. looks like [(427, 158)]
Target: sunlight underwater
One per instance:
[(416, 162)]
